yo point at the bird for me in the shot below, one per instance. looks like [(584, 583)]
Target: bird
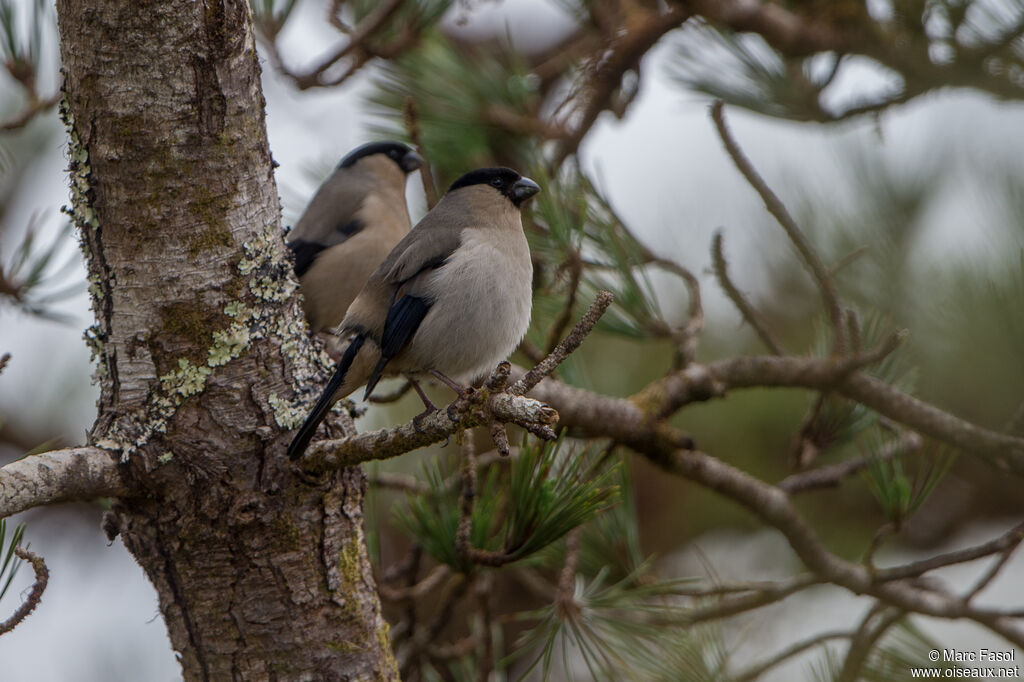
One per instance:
[(355, 218), (452, 299)]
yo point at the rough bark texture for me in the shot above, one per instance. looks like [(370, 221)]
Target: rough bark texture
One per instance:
[(199, 339)]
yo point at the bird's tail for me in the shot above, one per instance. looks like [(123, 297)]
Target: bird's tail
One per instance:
[(301, 440)]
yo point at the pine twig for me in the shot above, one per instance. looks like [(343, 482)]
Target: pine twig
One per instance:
[(569, 344), (878, 620), (412, 126), (736, 296), (783, 217), (831, 476), (756, 671), (30, 603), (467, 498)]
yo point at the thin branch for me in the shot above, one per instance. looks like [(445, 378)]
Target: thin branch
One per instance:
[(34, 108), (615, 57), (736, 296), (417, 591), (575, 267), (756, 671), (993, 570), (42, 578), (687, 337), (791, 33), (569, 344), (732, 605), (435, 427), (397, 481), (1008, 540), (370, 24), (783, 217), (703, 382), (69, 475), (412, 126), (467, 499), (831, 476), (878, 620)]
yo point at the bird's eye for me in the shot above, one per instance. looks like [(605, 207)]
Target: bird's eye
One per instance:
[(496, 182)]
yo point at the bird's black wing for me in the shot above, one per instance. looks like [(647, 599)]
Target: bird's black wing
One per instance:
[(305, 254), (404, 318)]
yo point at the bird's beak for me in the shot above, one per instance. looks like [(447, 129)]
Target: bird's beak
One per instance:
[(411, 161), (523, 189)]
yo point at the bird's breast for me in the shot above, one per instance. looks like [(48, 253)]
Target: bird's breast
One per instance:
[(482, 301)]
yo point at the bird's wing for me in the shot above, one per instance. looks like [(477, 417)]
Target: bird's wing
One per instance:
[(424, 249), (427, 246)]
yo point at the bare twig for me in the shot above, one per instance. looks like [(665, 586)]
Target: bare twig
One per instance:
[(433, 428), (566, 347), (613, 59), (879, 619), (831, 476), (848, 258), (412, 125), (736, 296), (367, 27), (575, 267), (687, 337), (1002, 543), (32, 601), (782, 215), (993, 570), (756, 671), (397, 481), (34, 108), (467, 498), (419, 590)]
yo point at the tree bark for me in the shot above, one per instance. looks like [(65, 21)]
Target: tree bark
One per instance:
[(199, 340)]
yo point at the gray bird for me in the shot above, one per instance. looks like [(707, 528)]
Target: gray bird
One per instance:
[(452, 299), (355, 218)]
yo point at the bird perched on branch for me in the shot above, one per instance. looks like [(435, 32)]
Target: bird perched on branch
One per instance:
[(355, 218), (452, 299)]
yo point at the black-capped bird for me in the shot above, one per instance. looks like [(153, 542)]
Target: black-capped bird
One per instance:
[(453, 298), (351, 224)]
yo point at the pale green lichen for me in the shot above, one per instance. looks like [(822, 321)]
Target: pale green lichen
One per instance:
[(185, 381), (166, 457), (286, 414), (267, 274), (228, 344)]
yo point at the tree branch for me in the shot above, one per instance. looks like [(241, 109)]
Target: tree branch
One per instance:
[(566, 347), (831, 476), (783, 217), (736, 296), (69, 475), (327, 455)]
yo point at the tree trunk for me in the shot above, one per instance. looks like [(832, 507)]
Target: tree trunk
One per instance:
[(199, 340)]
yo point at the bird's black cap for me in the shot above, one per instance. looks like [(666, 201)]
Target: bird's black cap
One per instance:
[(510, 183), (402, 154)]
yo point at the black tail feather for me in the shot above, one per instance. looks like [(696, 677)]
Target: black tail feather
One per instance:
[(301, 440)]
